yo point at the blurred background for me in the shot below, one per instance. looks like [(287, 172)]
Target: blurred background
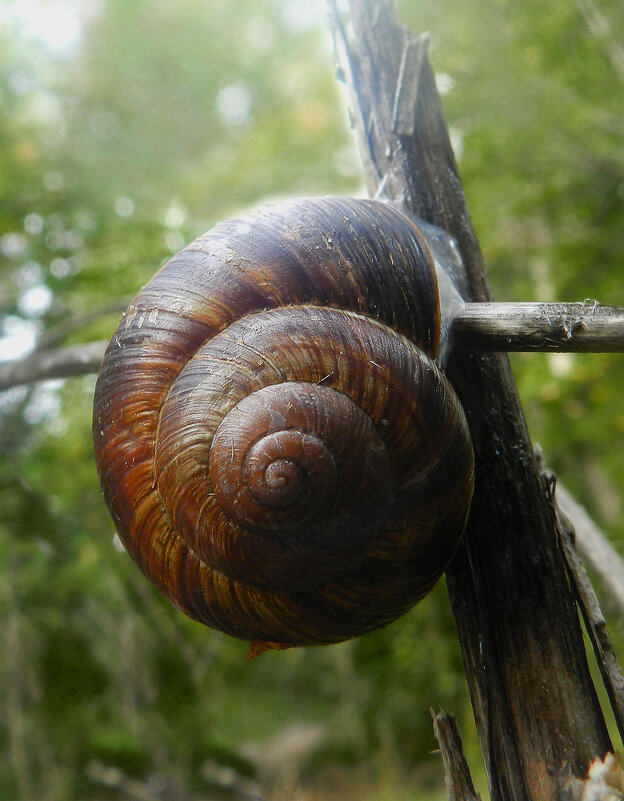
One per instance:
[(127, 128)]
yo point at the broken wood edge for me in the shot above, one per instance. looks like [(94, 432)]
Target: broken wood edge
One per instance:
[(594, 547), (459, 784), (604, 782), (587, 600)]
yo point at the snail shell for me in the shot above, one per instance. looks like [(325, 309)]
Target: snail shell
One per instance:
[(280, 454)]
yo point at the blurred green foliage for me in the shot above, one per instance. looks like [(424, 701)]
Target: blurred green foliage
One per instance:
[(126, 129)]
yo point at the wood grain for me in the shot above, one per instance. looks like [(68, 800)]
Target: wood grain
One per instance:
[(534, 702)]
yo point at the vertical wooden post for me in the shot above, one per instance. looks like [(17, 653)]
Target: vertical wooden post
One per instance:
[(534, 703)]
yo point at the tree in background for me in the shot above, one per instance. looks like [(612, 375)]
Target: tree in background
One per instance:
[(127, 129)]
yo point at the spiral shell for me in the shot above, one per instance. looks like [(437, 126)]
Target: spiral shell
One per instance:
[(279, 452)]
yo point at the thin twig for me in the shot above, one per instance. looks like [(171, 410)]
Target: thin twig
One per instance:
[(54, 335), (556, 327), (48, 364)]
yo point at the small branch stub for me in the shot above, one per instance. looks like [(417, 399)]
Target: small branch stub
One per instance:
[(456, 771)]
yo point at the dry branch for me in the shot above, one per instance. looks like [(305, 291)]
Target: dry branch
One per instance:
[(534, 701), (578, 327), (48, 364), (587, 600), (594, 547), (459, 784)]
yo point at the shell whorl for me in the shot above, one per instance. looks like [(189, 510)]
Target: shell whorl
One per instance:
[(280, 454)]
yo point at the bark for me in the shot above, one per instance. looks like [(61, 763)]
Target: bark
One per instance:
[(534, 702)]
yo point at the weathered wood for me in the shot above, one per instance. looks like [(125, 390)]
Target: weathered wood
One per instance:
[(534, 702), (604, 782), (586, 327), (457, 776), (557, 327), (587, 599), (595, 548), (595, 623)]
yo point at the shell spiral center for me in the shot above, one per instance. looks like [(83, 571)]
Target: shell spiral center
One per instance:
[(293, 456)]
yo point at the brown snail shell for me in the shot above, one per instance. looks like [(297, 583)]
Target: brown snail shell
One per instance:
[(279, 452)]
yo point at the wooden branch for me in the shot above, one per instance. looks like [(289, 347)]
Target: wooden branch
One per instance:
[(580, 327), (534, 701), (587, 600), (555, 327), (594, 623), (594, 547), (48, 364), (457, 776)]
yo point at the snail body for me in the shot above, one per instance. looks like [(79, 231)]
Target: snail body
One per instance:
[(278, 449)]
